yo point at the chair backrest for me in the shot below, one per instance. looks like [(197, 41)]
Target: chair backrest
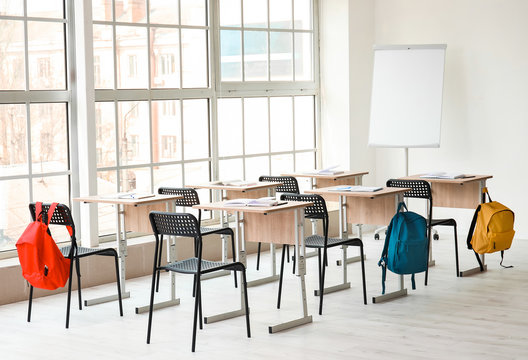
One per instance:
[(315, 211), (421, 189), (289, 183), (190, 196), (178, 224), (61, 216)]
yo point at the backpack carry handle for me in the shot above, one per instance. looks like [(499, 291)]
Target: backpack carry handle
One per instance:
[(400, 205), (43, 217)]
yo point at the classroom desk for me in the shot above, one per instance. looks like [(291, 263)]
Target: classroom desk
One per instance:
[(376, 208), (282, 224), (253, 191), (464, 193), (322, 181), (132, 215)]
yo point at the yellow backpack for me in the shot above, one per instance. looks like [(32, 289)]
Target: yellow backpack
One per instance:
[(491, 229)]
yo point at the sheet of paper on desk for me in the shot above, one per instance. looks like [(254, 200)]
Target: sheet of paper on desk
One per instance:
[(265, 201), (443, 175), (234, 183), (356, 188), (326, 171), (136, 196)]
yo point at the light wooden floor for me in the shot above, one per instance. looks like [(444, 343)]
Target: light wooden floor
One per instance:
[(479, 317)]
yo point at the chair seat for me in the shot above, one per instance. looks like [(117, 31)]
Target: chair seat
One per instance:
[(447, 222), (220, 230), (84, 251), (317, 241), (190, 266)]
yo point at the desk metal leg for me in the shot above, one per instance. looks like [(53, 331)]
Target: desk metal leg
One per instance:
[(240, 249), (398, 293), (122, 253), (301, 271)]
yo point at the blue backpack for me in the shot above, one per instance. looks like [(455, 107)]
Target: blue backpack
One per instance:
[(406, 245)]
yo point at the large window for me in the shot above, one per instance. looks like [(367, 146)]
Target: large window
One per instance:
[(34, 112)]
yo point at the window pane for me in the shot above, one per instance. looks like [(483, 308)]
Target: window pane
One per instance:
[(303, 57), (256, 55), (134, 132), (12, 70), (304, 123), (131, 49), (46, 56), (280, 14), (281, 124), (231, 55), (196, 129), (102, 10), (281, 67), (302, 14), (47, 8), (105, 134), (165, 57), (168, 176), (256, 125), (232, 169), (196, 173), (304, 162), (135, 180), (14, 214), (103, 57), (230, 127), (194, 58), (166, 130), (12, 7), (13, 147), (281, 164), (164, 12), (257, 166), (131, 11), (256, 13), (49, 138), (193, 12), (230, 12), (106, 184)]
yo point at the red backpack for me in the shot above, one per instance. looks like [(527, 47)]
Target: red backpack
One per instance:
[(43, 264)]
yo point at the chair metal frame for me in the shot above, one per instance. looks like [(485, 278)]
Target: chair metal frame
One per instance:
[(74, 252), (186, 225), (318, 211)]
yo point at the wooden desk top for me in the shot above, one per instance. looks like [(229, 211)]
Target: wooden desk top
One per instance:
[(345, 174), (468, 179), (134, 202), (256, 186), (290, 205), (386, 191)]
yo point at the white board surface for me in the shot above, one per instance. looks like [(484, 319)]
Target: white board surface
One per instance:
[(406, 103)]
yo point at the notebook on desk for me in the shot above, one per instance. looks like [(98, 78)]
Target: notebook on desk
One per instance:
[(263, 202), (356, 188), (445, 175), (327, 171), (240, 183)]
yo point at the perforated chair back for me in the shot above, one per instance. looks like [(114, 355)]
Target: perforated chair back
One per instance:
[(177, 224), (190, 196), (420, 188), (316, 211), (289, 183), (61, 216)]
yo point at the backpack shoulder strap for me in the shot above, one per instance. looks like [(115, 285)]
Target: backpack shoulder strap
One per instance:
[(50, 212), (472, 228)]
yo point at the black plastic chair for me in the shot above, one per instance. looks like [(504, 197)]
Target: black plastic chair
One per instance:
[(190, 198), (289, 185), (421, 189), (186, 225), (62, 216), (318, 211)]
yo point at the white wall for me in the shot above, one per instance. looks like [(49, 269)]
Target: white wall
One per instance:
[(485, 110)]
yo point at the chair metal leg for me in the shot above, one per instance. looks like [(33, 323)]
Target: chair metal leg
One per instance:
[(234, 256), (456, 252), (159, 265), (69, 295), (363, 274), (151, 307), (78, 271), (30, 303), (200, 315), (196, 303), (244, 284), (284, 247), (288, 253), (118, 281), (321, 285), (258, 255)]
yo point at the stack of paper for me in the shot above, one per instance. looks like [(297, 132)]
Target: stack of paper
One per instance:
[(240, 183), (128, 195), (356, 188), (264, 202), (443, 175)]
